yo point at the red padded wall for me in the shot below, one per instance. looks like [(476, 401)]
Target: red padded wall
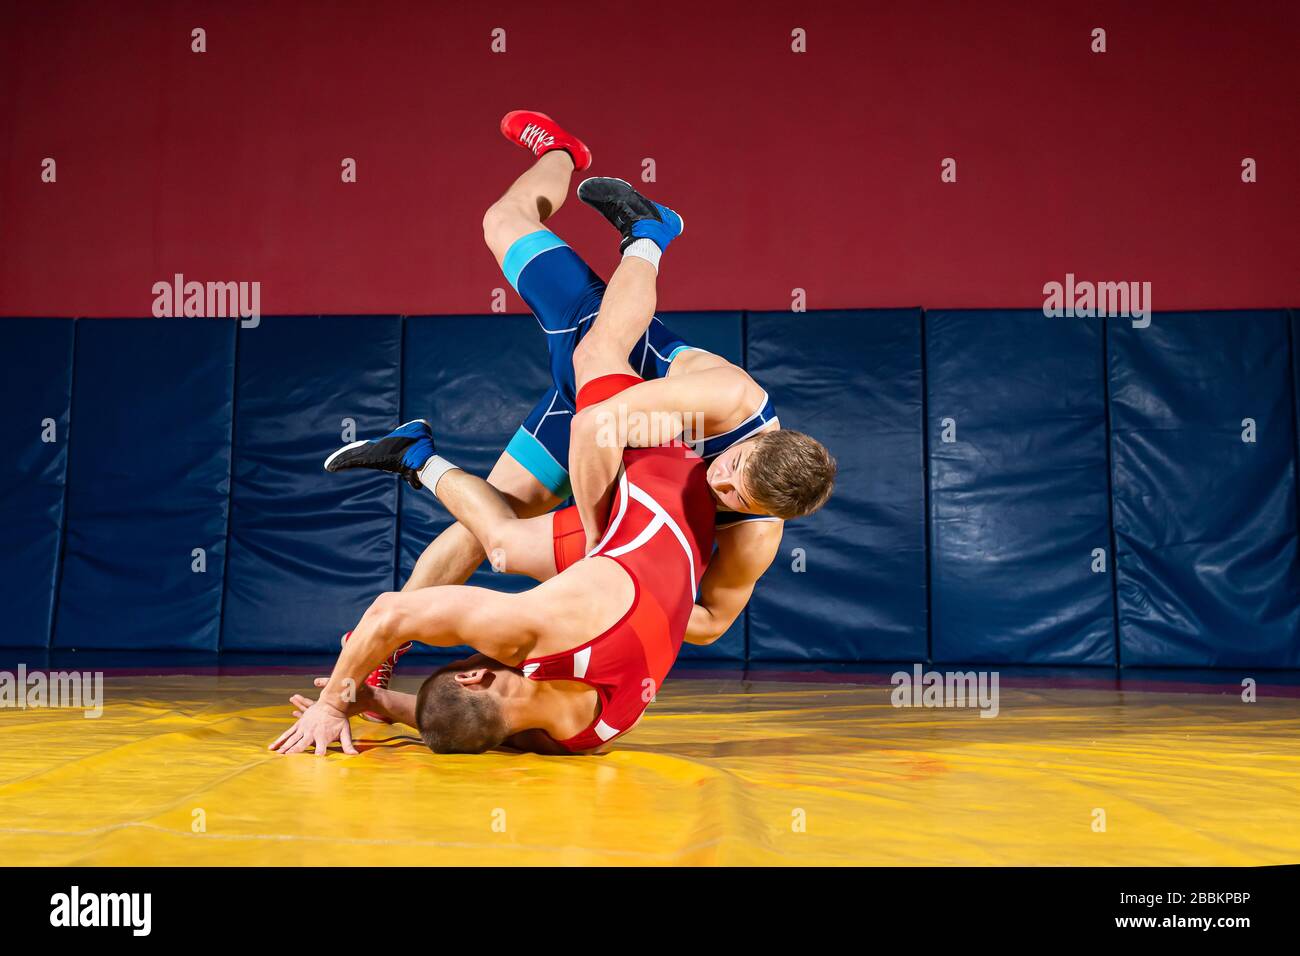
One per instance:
[(818, 171)]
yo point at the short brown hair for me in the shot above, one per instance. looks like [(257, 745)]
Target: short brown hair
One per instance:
[(789, 473), (453, 720)]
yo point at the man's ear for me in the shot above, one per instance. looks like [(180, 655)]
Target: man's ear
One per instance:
[(474, 676)]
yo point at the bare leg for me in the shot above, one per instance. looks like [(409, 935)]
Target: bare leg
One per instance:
[(625, 313), (452, 556), (514, 544), (532, 199)]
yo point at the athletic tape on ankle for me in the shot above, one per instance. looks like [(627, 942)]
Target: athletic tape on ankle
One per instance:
[(645, 249), (432, 470)]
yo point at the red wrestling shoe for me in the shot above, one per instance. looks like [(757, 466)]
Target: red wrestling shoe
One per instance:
[(380, 677), (540, 134)]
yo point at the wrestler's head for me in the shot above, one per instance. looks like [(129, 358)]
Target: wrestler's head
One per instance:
[(461, 708), (783, 473)]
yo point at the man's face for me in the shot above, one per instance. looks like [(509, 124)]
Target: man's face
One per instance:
[(727, 479)]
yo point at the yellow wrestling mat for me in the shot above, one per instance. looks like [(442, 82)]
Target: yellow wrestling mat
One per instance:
[(719, 772)]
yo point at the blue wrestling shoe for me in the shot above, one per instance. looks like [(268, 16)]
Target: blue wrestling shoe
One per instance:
[(631, 213), (403, 451)]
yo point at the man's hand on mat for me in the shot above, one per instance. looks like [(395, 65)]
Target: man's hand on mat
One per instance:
[(320, 725), (367, 699)]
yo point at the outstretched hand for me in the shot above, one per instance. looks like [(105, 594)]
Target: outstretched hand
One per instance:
[(318, 724)]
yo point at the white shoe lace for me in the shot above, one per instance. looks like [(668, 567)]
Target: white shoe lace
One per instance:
[(386, 668), (536, 138)]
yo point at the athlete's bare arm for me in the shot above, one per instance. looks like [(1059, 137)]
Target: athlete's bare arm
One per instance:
[(570, 609), (656, 410), (745, 552), (497, 624), (503, 626)]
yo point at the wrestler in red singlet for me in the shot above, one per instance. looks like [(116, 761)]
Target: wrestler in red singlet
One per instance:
[(661, 531)]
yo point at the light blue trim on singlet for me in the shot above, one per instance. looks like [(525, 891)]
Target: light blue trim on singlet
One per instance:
[(525, 249), (681, 348), (529, 452)]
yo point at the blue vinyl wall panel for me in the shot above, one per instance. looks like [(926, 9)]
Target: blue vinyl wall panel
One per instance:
[(1020, 563), (852, 380), (722, 333), (37, 372), (148, 485), (1205, 521), (1295, 393), (175, 437), (474, 378), (309, 550)]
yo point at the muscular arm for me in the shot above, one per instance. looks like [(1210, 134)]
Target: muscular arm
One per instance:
[(503, 626), (653, 413), (744, 552), (561, 613)]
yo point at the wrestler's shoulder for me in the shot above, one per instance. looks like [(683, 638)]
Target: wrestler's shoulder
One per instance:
[(748, 391)]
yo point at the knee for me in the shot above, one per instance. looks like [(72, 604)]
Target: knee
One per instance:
[(594, 357), (504, 221), (497, 547)]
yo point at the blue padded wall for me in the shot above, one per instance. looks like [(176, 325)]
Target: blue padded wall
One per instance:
[(722, 333), (37, 370), (105, 519), (1019, 500), (474, 378), (853, 380), (1294, 316), (148, 484), (309, 550), (1205, 522)]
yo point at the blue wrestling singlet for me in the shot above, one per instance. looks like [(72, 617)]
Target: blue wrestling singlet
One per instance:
[(565, 295)]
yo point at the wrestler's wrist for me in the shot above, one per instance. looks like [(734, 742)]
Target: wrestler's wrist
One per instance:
[(334, 699)]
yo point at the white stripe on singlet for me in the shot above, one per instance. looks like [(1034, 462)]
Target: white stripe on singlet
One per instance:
[(662, 519), (581, 659), (618, 516)]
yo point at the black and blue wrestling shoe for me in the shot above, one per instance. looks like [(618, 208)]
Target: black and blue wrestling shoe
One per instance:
[(632, 214), (403, 451)]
